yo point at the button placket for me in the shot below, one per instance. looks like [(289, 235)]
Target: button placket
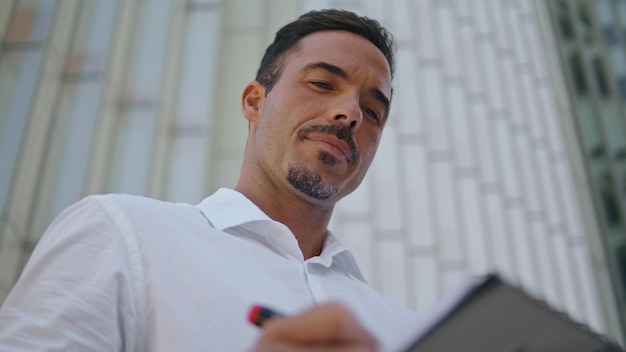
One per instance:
[(314, 283)]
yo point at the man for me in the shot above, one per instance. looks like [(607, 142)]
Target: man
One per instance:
[(128, 273)]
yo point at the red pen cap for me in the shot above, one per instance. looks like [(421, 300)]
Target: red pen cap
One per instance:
[(259, 314)]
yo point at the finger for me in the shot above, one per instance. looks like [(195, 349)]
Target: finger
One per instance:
[(328, 324), (282, 346)]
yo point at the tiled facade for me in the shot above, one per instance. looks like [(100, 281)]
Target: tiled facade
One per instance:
[(478, 169)]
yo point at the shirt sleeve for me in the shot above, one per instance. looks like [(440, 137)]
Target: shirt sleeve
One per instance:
[(80, 289)]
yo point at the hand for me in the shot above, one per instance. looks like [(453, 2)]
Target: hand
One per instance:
[(328, 327)]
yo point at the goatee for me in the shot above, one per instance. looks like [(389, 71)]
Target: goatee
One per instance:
[(309, 183)]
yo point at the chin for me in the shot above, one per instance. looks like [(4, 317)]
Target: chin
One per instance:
[(310, 184)]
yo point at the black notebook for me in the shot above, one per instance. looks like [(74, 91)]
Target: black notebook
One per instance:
[(492, 315)]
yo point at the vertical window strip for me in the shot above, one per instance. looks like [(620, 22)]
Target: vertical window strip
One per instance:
[(595, 113), (141, 105), (611, 116), (34, 143), (26, 69), (7, 10), (75, 123), (190, 150), (617, 46), (149, 50), (611, 73), (132, 152), (586, 109)]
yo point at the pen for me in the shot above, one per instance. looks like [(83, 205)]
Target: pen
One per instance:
[(259, 315)]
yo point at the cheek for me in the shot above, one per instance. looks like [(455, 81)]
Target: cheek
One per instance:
[(271, 118), (282, 113), (368, 151), (366, 162), (368, 145)]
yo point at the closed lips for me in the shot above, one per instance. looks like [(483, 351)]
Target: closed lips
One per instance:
[(338, 144)]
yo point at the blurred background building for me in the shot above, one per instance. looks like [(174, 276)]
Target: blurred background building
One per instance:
[(505, 150)]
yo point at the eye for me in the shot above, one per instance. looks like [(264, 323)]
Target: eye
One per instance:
[(371, 113), (322, 85)]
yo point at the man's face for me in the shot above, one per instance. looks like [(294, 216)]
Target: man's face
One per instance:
[(319, 127)]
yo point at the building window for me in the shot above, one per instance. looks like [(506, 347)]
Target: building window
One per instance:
[(600, 76), (578, 75)]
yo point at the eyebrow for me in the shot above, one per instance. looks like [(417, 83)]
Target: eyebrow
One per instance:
[(335, 70), (338, 71)]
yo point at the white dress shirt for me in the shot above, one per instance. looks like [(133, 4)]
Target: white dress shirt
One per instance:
[(129, 273)]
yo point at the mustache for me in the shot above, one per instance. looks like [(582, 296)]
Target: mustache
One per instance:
[(338, 130)]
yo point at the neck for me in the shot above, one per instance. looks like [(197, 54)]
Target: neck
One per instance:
[(308, 221)]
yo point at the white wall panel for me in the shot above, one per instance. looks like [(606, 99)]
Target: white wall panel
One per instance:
[(426, 281), (472, 64), (549, 189), (418, 197), (528, 174), (472, 228), (462, 140), (591, 310), (482, 131), (424, 31), (435, 111), (548, 275), (499, 231), (444, 203), (507, 158), (407, 108), (392, 275), (386, 186), (522, 252), (567, 270)]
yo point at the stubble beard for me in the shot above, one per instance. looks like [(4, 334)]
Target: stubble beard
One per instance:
[(310, 183)]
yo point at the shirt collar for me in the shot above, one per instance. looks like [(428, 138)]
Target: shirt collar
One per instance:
[(336, 252), (228, 209)]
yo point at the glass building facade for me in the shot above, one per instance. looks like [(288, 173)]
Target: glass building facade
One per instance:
[(591, 42), (504, 150)]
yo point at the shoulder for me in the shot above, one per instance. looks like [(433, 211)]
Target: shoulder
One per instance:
[(128, 202), (126, 206), (119, 216)]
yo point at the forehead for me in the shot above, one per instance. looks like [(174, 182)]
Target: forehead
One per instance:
[(356, 55)]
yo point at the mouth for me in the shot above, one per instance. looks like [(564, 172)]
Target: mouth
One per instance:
[(334, 140), (334, 146)]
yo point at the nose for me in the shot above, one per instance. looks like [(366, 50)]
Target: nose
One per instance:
[(347, 112)]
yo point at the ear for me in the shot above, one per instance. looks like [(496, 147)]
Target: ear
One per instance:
[(252, 100)]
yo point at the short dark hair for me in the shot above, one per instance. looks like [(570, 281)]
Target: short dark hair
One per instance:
[(315, 21)]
